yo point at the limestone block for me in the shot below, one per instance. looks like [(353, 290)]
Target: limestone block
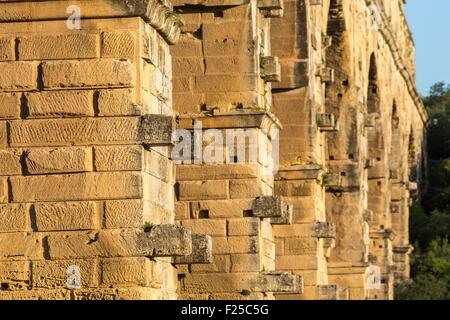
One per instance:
[(325, 230), (203, 190), (270, 4), (217, 172), (246, 263), (59, 104), (201, 251), (54, 274), (236, 244), (126, 271), (14, 271), (14, 217), (273, 207), (220, 264), (235, 208), (10, 162), (18, 76), (7, 49), (58, 160), (243, 227), (58, 294), (301, 246), (211, 227), (3, 135), (326, 122), (150, 130), (3, 190), (121, 214), (118, 44), (20, 246), (10, 105), (327, 292), (271, 69), (58, 216), (246, 188), (326, 75), (73, 187), (87, 73), (118, 158), (59, 47), (117, 102), (158, 241), (158, 165), (279, 282)]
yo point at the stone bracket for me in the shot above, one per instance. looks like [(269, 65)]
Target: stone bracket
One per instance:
[(201, 251), (157, 130), (270, 69), (326, 75), (270, 4), (279, 282), (324, 230), (326, 122), (165, 240), (273, 207)]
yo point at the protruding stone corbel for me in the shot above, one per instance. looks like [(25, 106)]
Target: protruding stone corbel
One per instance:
[(395, 207), (333, 181), (165, 240), (324, 230), (368, 215), (273, 207), (201, 251), (406, 249), (327, 292), (157, 130), (279, 282), (412, 186), (326, 122), (369, 163), (326, 75), (273, 13), (270, 4), (270, 69)]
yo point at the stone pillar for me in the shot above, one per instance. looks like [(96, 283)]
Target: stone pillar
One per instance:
[(224, 69), (86, 129), (297, 39)]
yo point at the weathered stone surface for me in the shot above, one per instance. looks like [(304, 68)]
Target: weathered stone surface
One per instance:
[(201, 251), (58, 216), (64, 46), (55, 274), (87, 131), (9, 106), (14, 217), (10, 162), (85, 186), (87, 73), (59, 104), (18, 76), (58, 160), (159, 241), (123, 214), (20, 246)]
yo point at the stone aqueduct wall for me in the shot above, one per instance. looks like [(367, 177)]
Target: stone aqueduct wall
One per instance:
[(89, 187)]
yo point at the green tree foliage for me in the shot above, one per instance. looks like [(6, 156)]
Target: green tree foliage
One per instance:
[(430, 220)]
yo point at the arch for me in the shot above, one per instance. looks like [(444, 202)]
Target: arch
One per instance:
[(396, 144), (373, 95)]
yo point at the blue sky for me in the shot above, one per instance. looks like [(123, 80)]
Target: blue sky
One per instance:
[(430, 24)]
